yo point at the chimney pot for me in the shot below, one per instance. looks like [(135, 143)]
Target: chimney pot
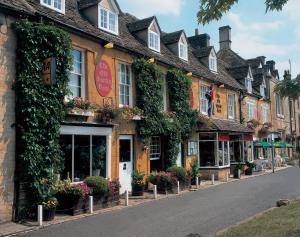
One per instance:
[(196, 31), (225, 37)]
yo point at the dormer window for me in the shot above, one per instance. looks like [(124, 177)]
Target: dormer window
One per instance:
[(248, 85), (154, 37), (262, 90), (213, 61), (56, 5), (183, 49), (108, 18)]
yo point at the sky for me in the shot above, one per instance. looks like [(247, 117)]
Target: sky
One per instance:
[(275, 35)]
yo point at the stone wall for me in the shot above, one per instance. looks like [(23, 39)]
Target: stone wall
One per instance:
[(7, 117)]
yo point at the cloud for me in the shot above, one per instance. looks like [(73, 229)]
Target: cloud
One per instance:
[(292, 9), (284, 65), (146, 8)]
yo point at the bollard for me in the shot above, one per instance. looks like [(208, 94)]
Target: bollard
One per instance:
[(239, 173), (213, 179), (155, 191), (197, 182), (91, 204), (227, 177), (178, 187), (40, 215), (126, 198)]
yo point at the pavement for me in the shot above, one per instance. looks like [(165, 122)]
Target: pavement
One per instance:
[(205, 211)]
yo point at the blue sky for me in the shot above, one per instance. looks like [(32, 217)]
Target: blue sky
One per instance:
[(275, 35)]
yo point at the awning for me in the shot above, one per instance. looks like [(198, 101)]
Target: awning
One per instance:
[(263, 144)]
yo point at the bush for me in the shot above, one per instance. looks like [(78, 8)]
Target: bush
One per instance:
[(163, 179), (64, 187), (98, 184), (179, 172), (194, 171)]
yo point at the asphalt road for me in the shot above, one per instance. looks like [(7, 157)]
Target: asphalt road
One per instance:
[(204, 212)]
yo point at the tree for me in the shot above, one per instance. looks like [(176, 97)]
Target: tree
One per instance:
[(214, 9), (288, 87)]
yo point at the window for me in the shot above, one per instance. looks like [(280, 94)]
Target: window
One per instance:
[(213, 61), (262, 91), (265, 112), (164, 93), (108, 20), (57, 5), (154, 41), (279, 106), (192, 148), (251, 110), (77, 77), (231, 111), (248, 85), (203, 99), (84, 155), (183, 49), (155, 148), (125, 85)]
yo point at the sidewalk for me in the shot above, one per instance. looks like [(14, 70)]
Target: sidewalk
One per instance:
[(11, 228)]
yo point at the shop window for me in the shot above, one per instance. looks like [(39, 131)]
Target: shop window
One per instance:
[(203, 99), (125, 85), (192, 148), (57, 5), (108, 20), (77, 75), (84, 156), (231, 106), (155, 148)]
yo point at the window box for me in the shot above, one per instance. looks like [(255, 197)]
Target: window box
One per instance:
[(132, 113), (78, 112)]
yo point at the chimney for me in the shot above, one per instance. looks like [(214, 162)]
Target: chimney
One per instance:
[(196, 31), (262, 59), (271, 65), (199, 41), (225, 37)]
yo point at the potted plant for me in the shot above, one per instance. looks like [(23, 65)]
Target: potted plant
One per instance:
[(107, 113), (137, 183), (49, 209), (194, 171), (79, 106), (237, 170), (249, 168), (134, 113)]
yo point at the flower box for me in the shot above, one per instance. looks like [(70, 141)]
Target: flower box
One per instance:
[(84, 113), (136, 118), (106, 201), (137, 189), (69, 204)]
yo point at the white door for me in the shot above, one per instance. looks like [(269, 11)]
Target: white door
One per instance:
[(125, 162), (179, 157)]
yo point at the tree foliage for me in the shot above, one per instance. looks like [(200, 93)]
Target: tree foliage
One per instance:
[(39, 107), (288, 87), (214, 9)]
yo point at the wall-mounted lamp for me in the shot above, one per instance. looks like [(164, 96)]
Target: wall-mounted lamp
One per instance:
[(245, 98), (261, 99), (221, 86), (151, 60), (109, 45), (189, 74)]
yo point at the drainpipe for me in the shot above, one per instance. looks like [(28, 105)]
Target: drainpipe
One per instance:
[(241, 96)]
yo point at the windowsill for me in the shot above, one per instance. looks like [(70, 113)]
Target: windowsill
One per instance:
[(214, 167), (231, 118), (154, 159), (109, 31), (125, 106), (280, 116), (203, 113)]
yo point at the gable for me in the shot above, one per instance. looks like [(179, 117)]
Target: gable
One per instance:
[(154, 27), (212, 53), (249, 75), (183, 39), (109, 5)]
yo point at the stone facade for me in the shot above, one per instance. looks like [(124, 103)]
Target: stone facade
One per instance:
[(7, 117)]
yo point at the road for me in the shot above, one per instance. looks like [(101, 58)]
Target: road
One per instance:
[(204, 212)]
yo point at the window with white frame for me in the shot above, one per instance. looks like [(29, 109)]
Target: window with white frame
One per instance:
[(265, 112), (125, 85), (192, 148), (183, 49), (155, 148), (57, 5), (108, 20), (77, 74), (231, 112), (279, 105), (213, 61), (203, 99), (251, 110), (248, 85), (154, 41), (262, 90)]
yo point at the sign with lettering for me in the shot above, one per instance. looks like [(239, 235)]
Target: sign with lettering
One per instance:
[(103, 78), (49, 71), (218, 103), (191, 98)]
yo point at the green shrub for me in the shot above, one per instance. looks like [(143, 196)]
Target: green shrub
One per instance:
[(138, 177), (179, 172), (98, 184), (194, 171)]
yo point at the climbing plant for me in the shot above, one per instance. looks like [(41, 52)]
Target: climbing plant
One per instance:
[(176, 125), (39, 107)]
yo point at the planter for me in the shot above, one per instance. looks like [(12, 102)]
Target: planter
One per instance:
[(49, 214), (106, 201), (84, 113), (137, 189), (96, 172), (249, 171), (70, 204), (237, 173), (193, 181)]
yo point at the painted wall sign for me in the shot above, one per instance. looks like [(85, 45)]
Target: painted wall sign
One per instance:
[(103, 78), (49, 71), (218, 103), (191, 98)]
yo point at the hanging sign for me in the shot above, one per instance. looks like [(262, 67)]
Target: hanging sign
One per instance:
[(191, 99), (49, 71), (103, 78)]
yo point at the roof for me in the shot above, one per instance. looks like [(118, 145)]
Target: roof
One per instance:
[(18, 5), (240, 72), (74, 20), (171, 38), (203, 52), (139, 25), (220, 125), (82, 4), (231, 58)]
